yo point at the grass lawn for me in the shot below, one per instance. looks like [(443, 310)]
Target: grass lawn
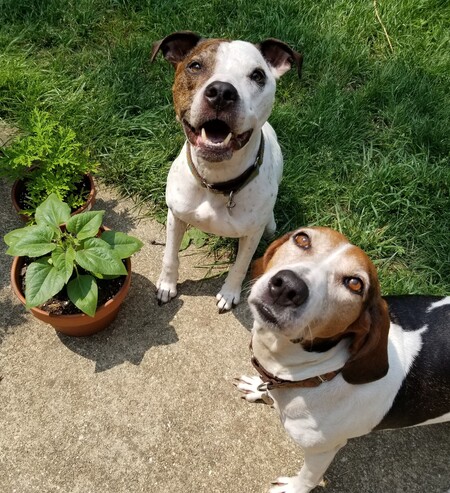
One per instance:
[(365, 133)]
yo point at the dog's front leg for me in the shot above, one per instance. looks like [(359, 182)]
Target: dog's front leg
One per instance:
[(230, 294), (311, 474), (167, 282)]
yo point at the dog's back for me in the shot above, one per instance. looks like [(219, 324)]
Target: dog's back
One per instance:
[(425, 391)]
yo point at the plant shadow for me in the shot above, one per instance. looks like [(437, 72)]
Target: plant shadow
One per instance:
[(140, 325), (121, 220), (12, 315)]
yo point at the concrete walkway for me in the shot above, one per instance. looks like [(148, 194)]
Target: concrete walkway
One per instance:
[(148, 405)]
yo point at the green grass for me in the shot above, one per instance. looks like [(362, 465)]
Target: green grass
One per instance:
[(365, 134)]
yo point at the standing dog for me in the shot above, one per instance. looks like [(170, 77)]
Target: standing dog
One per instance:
[(225, 180), (336, 359)]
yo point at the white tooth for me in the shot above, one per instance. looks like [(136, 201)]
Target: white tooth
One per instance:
[(227, 140), (204, 138)]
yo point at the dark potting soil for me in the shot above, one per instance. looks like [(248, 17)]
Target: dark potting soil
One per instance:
[(82, 189), (61, 305)]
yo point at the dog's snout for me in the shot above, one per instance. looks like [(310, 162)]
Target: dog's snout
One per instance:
[(287, 289), (221, 95)]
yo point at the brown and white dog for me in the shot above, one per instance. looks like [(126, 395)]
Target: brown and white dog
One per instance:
[(336, 359), (225, 180)]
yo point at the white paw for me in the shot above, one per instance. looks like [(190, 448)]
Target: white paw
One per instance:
[(166, 291), (249, 386), (288, 485), (227, 299)]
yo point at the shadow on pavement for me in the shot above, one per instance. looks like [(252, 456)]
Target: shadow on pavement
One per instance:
[(134, 331)]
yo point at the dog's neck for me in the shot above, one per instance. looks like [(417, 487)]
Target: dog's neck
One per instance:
[(289, 360), (227, 170)]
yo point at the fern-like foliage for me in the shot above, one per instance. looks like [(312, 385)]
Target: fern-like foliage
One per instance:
[(50, 160)]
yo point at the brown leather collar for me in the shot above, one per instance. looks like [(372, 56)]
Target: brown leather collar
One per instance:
[(233, 186), (273, 382)]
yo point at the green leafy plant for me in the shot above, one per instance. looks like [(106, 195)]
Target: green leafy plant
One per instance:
[(73, 255), (195, 236), (50, 160)]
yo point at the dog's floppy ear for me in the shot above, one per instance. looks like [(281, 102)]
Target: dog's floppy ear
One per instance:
[(280, 56), (175, 46), (369, 350), (259, 266)]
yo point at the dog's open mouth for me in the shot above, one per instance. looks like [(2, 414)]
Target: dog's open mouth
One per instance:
[(266, 313), (216, 138)]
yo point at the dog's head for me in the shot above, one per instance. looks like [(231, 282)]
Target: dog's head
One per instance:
[(224, 90), (315, 287)]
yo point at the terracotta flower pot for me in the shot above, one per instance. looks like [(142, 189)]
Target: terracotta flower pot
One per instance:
[(80, 324), (18, 190)]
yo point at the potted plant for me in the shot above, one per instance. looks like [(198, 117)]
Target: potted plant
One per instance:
[(69, 270), (48, 160)]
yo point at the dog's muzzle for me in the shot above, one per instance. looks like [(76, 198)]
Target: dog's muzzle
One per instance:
[(284, 293), (214, 137), (287, 289)]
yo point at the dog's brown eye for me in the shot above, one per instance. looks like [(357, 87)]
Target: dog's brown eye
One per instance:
[(302, 240), (354, 284), (194, 66), (258, 76)]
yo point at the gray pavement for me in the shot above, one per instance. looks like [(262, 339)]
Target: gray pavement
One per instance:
[(148, 405)]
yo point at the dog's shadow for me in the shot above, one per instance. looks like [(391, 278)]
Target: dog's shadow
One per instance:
[(140, 325), (209, 287)]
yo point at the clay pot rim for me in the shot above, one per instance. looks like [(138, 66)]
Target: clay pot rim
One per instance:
[(17, 264), (87, 205)]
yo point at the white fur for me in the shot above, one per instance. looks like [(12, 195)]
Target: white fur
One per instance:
[(321, 419), (189, 203), (437, 304)]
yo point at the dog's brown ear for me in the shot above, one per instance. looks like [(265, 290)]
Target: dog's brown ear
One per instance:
[(280, 56), (259, 266), (369, 350), (175, 46)]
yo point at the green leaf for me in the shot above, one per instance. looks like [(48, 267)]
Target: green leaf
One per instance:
[(86, 224), (42, 282), (52, 212), (195, 236), (102, 260), (95, 242), (198, 237), (31, 241), (83, 293), (104, 276), (185, 242), (63, 260), (122, 243)]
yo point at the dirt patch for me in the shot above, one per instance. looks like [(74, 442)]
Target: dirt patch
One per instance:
[(7, 133)]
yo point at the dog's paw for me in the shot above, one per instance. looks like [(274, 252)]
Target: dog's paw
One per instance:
[(227, 299), (165, 292), (249, 386), (288, 485)]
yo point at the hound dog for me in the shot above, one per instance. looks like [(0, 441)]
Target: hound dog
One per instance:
[(225, 180), (335, 358)]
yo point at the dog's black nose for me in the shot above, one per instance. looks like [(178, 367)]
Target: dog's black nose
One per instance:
[(287, 289), (221, 95)]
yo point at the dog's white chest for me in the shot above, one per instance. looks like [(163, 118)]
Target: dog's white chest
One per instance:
[(247, 211), (209, 211)]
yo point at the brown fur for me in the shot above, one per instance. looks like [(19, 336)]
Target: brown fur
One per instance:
[(369, 358), (260, 265), (186, 84)]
